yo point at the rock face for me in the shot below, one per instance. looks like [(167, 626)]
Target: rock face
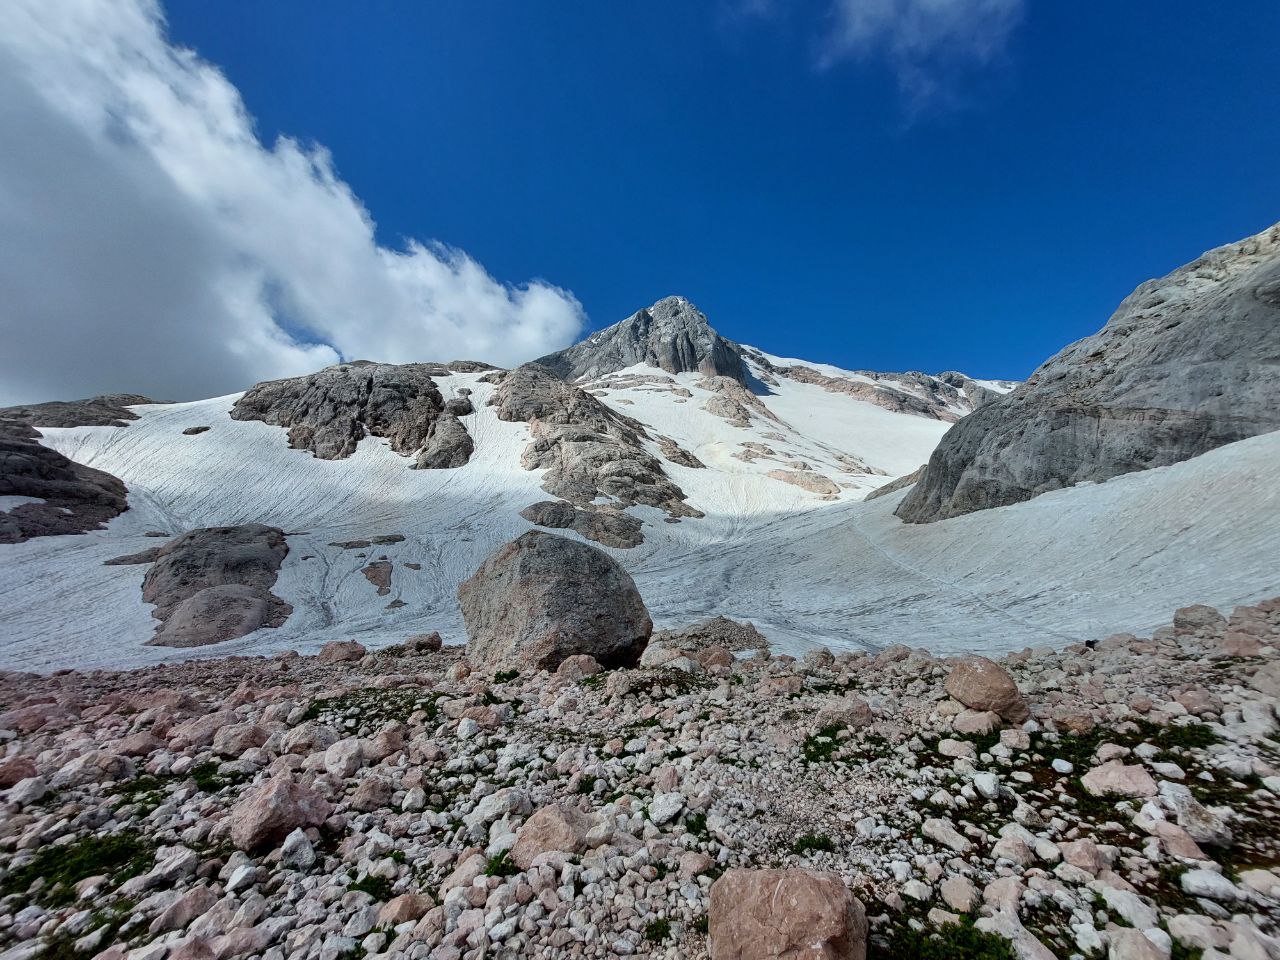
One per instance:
[(66, 497), (105, 411), (542, 598), (1186, 364), (612, 528), (329, 412), (982, 684), (796, 914), (672, 335), (587, 450), (214, 584)]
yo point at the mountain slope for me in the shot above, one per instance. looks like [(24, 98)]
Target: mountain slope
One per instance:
[(1187, 363), (720, 495)]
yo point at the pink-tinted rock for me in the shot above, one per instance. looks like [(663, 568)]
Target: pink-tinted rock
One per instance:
[(1115, 778), (267, 813), (337, 651), (785, 915), (558, 827), (16, 769), (982, 684)]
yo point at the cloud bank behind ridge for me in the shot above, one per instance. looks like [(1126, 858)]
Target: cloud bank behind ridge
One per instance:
[(152, 243)]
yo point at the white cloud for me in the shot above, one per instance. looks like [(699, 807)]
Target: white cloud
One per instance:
[(153, 244), (927, 42)]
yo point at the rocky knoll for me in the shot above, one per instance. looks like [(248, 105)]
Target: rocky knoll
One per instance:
[(411, 803), (542, 599), (1188, 362), (587, 450), (59, 495), (329, 412), (611, 528), (214, 584), (672, 335), (105, 411)]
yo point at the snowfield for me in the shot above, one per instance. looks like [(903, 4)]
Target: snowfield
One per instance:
[(1066, 566)]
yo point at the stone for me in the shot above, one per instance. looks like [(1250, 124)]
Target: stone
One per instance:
[(1195, 618), (1115, 778), (610, 528), (16, 769), (338, 651), (977, 723), (297, 852), (214, 584), (1132, 945), (267, 813), (1172, 375), (944, 833), (558, 827), (665, 807), (806, 480), (542, 598), (982, 684), (958, 893), (405, 908), (793, 914), (1206, 883), (849, 711)]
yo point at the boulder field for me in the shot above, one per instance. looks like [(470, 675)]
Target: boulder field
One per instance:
[(1118, 799)]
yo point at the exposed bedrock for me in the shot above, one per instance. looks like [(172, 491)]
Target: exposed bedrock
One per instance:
[(104, 411), (541, 598), (1188, 363), (65, 497), (610, 528), (672, 335), (214, 584), (329, 412), (587, 450)]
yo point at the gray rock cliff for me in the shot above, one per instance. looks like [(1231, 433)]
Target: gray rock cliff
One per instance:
[(1188, 362)]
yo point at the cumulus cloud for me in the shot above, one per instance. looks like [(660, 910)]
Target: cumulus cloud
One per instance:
[(928, 43), (152, 243)]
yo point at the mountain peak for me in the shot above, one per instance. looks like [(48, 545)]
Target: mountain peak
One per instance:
[(672, 334)]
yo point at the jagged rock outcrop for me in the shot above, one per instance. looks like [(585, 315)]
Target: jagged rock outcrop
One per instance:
[(65, 497), (611, 528), (214, 584), (672, 335), (542, 598), (1189, 362), (731, 401), (104, 411), (329, 412), (587, 450)]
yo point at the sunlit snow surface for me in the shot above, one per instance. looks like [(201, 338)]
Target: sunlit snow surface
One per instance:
[(1066, 566)]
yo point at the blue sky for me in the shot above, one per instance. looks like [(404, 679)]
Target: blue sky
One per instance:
[(628, 151), (205, 195)]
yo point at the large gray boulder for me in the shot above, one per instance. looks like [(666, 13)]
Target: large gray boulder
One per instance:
[(329, 412), (672, 335), (214, 584), (542, 598), (1188, 363), (65, 497)]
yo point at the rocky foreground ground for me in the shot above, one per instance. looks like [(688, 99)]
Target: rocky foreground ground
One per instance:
[(1119, 799)]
